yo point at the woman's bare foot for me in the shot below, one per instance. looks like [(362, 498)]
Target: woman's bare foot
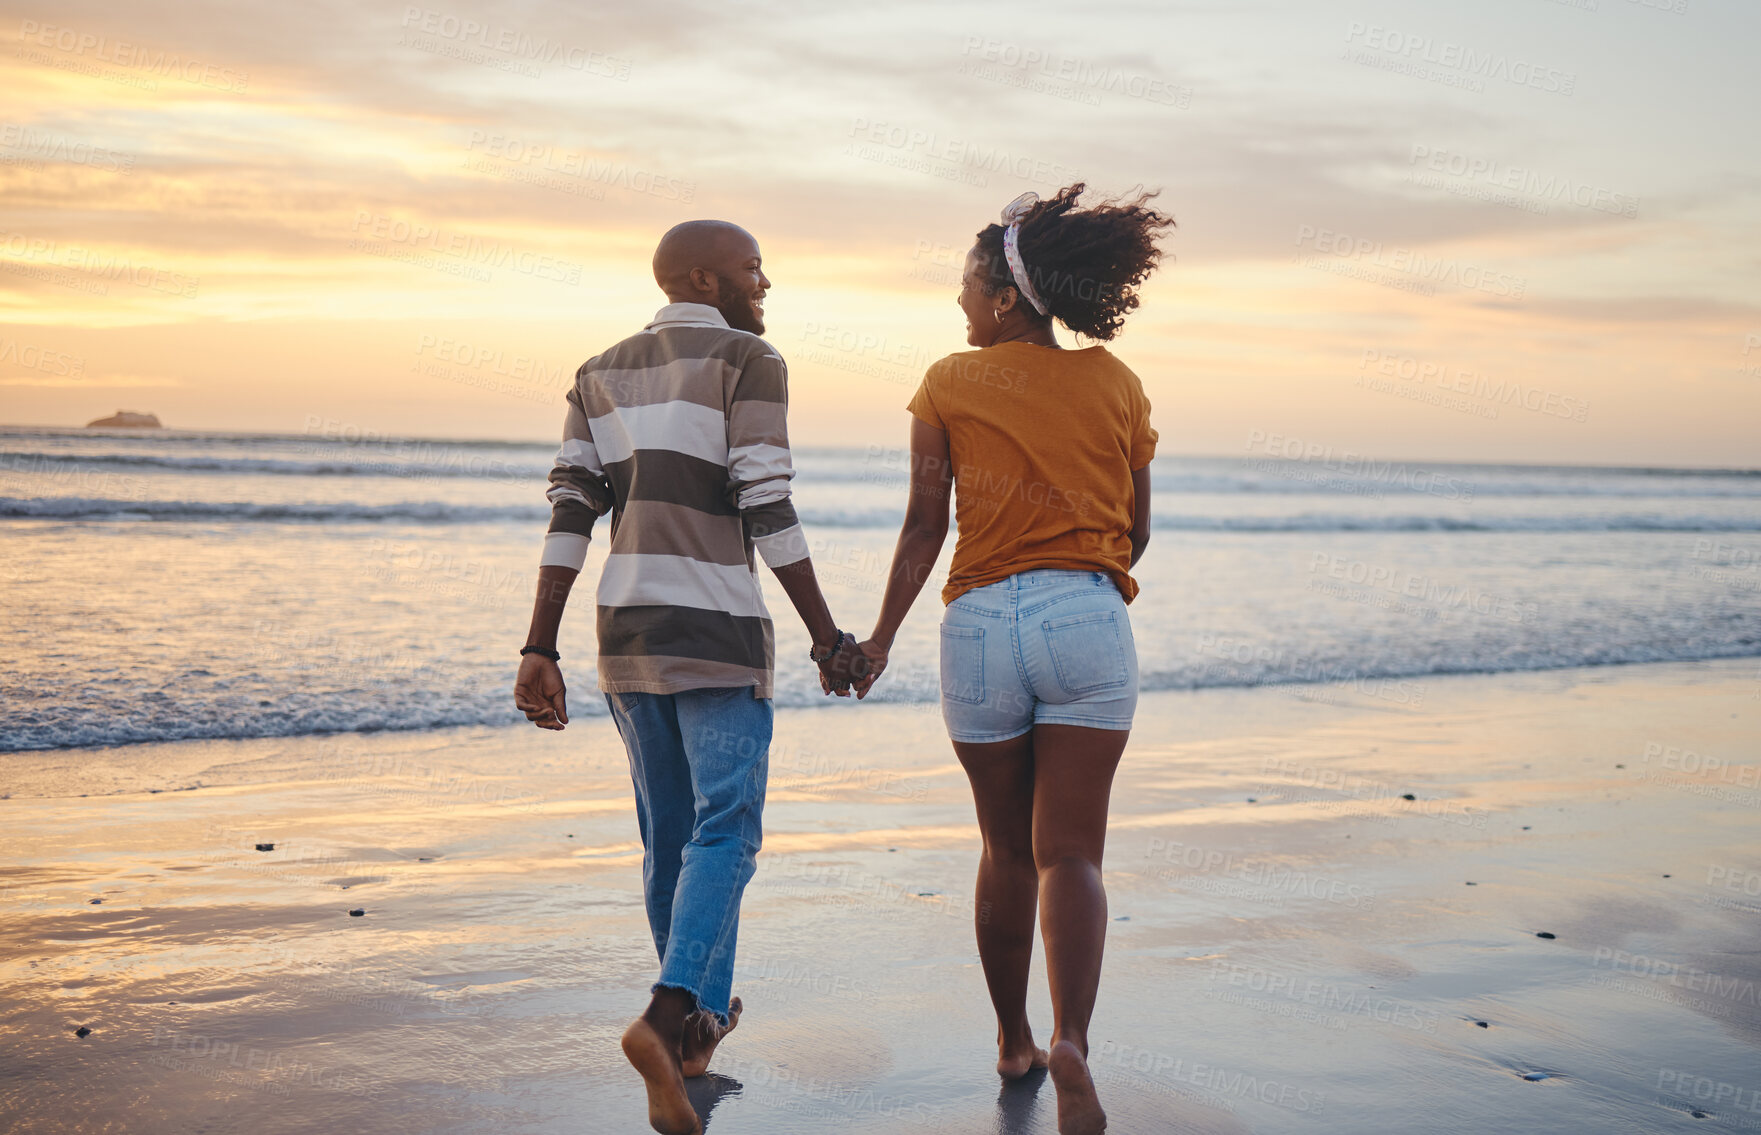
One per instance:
[(669, 1111), (1079, 1109), (1017, 1056), (702, 1034)]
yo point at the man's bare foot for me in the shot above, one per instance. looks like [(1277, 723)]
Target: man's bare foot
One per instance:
[(1017, 1057), (1079, 1109), (669, 1111), (702, 1034)]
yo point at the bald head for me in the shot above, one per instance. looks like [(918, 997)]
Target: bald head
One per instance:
[(714, 263)]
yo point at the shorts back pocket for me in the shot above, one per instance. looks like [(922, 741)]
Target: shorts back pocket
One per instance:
[(963, 664), (1086, 651)]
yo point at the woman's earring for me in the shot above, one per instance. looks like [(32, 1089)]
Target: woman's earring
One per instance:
[(998, 312)]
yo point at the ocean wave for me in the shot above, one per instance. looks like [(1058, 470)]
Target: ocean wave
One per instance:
[(1464, 483), (437, 464), (54, 455), (1210, 676), (418, 512), (333, 434), (440, 512), (89, 725), (198, 722), (1625, 522)]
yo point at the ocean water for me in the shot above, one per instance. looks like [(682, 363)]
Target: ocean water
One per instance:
[(164, 584)]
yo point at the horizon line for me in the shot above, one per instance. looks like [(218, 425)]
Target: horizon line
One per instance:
[(149, 432)]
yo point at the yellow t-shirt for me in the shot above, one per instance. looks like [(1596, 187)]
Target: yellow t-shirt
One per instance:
[(1043, 442)]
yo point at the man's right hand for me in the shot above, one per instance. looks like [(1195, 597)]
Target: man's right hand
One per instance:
[(837, 673), (539, 690)]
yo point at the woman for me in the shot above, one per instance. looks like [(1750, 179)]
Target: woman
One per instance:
[(1049, 452)]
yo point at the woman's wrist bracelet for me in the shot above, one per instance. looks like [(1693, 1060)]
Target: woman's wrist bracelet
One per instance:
[(546, 652)]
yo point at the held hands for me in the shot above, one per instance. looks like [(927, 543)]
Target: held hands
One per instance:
[(539, 690), (848, 665), (875, 657), (540, 693), (855, 666)]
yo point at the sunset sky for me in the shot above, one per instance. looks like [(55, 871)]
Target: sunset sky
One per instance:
[(1516, 230)]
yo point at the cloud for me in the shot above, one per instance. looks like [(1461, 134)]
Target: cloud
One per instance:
[(91, 382), (864, 148)]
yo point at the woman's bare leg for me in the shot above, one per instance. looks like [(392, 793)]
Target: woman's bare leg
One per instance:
[(1008, 890), (1073, 770)]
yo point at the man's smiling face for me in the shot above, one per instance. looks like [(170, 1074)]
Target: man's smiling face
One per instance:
[(740, 282)]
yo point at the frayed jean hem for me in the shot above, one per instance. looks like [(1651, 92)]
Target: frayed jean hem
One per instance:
[(697, 1005)]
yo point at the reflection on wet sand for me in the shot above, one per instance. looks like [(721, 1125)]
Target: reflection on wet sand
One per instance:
[(1511, 909)]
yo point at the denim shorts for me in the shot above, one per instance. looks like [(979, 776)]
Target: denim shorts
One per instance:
[(1040, 647)]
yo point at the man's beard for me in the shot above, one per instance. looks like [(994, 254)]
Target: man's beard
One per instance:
[(736, 308)]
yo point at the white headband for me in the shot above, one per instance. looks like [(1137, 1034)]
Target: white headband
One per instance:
[(1013, 214)]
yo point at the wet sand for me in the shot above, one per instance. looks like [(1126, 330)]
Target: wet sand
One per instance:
[(1296, 944)]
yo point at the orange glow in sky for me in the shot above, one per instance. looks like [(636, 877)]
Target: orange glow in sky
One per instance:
[(1519, 232)]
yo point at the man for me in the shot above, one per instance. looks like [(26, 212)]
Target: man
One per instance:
[(679, 431)]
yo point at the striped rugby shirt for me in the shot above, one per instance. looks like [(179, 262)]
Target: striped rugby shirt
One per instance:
[(680, 433)]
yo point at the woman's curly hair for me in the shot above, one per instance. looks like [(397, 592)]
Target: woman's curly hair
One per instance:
[(1085, 263)]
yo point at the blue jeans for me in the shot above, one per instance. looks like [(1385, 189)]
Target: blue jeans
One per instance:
[(1045, 647), (699, 760)]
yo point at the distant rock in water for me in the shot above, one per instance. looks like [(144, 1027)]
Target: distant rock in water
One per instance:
[(127, 420)]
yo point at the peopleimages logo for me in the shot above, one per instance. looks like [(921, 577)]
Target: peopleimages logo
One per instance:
[(130, 57), (1079, 73), (24, 139), (515, 45), (1189, 860), (958, 153), (1521, 179), (28, 355), (1415, 50), (1331, 1002), (496, 361), (1414, 371), (1221, 1081), (1358, 465), (580, 166), (1409, 584), (92, 267), (1706, 1090), (376, 232), (1436, 269)]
